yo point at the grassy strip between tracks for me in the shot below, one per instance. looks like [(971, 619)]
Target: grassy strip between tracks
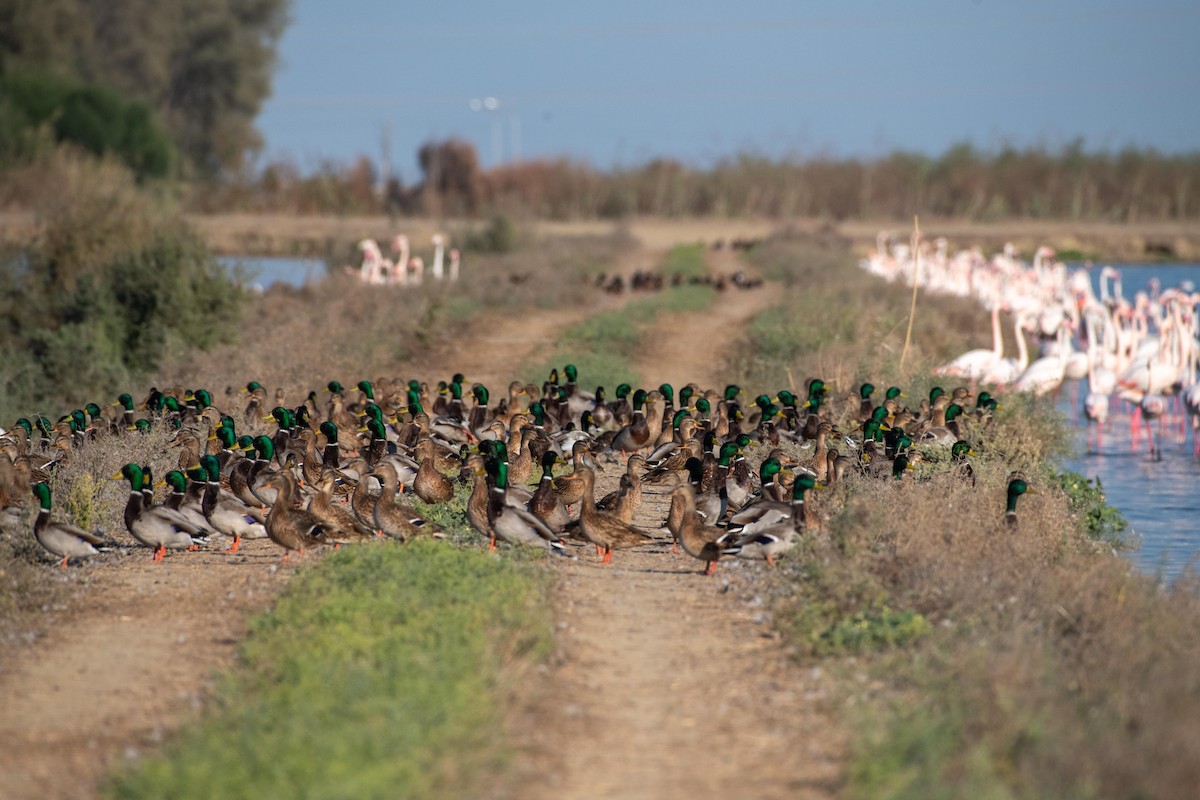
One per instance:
[(602, 346), (381, 672)]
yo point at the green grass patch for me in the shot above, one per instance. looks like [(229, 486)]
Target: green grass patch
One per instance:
[(686, 260), (603, 345), (378, 674)]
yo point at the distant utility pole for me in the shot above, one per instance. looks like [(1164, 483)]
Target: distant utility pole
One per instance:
[(385, 161)]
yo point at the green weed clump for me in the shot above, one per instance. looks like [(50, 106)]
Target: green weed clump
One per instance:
[(379, 673), (1103, 522)]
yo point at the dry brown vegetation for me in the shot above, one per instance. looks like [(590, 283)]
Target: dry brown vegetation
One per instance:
[(978, 660)]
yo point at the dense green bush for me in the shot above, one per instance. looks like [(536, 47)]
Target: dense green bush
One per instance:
[(93, 117), (111, 284)]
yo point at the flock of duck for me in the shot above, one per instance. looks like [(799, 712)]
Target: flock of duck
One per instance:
[(1142, 351), (337, 468)]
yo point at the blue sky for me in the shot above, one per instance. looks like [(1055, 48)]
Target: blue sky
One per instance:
[(622, 82)]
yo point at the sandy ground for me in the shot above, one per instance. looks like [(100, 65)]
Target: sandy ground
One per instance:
[(281, 234), (666, 683), (126, 665)]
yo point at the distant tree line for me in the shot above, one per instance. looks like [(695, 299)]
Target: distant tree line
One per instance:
[(1034, 182), (116, 72)]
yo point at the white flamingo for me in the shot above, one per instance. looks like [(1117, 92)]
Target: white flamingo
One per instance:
[(439, 244), (1007, 370), (399, 274), (976, 364), (1047, 373)]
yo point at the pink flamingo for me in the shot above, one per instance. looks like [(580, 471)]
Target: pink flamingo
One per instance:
[(399, 274)]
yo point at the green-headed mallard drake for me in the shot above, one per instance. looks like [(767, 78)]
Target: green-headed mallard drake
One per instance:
[(178, 498), (429, 483), (60, 538), (960, 467), (226, 513), (768, 509), (1017, 486), (289, 527), (156, 526), (515, 525), (604, 530), (769, 543), (700, 541)]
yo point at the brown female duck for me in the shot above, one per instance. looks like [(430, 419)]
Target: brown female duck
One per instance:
[(604, 530)]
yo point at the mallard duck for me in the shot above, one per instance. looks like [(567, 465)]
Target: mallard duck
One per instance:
[(960, 467), (636, 435), (1017, 486), (292, 528), (604, 530), (570, 486), (226, 513), (520, 462), (394, 519), (546, 504), (767, 510), (768, 543), (156, 526), (517, 526), (429, 484), (60, 538), (477, 503), (178, 497), (625, 501), (344, 527), (700, 541)]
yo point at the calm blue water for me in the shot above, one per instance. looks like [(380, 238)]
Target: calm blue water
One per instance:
[(1158, 498), (264, 271)]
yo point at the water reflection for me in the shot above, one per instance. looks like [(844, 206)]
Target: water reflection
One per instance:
[(263, 271)]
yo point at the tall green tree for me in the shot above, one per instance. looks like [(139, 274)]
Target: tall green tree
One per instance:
[(204, 66)]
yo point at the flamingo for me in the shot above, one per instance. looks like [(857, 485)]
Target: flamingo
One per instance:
[(454, 259), (439, 244), (1007, 370), (976, 364), (1046, 374), (374, 265), (399, 274)]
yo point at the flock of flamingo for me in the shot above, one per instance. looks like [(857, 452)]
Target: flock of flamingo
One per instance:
[(1142, 351), (403, 271)]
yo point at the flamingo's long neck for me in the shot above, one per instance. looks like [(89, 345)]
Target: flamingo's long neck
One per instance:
[(997, 338), (438, 252), (1022, 352)]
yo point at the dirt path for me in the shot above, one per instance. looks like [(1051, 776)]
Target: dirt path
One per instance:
[(671, 685), (668, 684), (127, 666), (687, 347)]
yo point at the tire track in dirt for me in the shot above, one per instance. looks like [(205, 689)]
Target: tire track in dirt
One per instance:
[(134, 659), (669, 684)]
